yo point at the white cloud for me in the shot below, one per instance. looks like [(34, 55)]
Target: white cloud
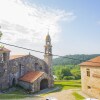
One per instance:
[(19, 19), (22, 21)]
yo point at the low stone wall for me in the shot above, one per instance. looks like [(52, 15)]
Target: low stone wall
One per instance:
[(25, 85)]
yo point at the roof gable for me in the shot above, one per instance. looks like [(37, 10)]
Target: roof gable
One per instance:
[(4, 49), (16, 56), (92, 62)]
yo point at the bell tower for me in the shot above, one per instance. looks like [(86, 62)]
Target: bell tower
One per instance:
[(48, 53)]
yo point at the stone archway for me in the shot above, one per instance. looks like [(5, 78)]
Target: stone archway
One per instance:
[(13, 82), (43, 84)]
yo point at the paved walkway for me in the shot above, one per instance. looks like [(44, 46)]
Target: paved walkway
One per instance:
[(62, 95), (46, 91)]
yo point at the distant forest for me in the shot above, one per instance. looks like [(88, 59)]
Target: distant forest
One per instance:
[(70, 59), (67, 68)]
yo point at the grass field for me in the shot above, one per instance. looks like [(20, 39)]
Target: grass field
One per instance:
[(70, 84), (13, 95), (77, 96)]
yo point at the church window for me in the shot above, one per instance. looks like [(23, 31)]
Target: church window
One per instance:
[(40, 68), (14, 69), (88, 72), (1, 57), (36, 64), (4, 56), (21, 69)]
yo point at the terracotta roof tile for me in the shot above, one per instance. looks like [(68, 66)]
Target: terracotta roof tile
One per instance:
[(92, 62), (4, 49), (16, 56), (31, 76)]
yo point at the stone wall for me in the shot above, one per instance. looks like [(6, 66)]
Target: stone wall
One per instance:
[(25, 85), (35, 86), (4, 84), (91, 85), (16, 68), (20, 66)]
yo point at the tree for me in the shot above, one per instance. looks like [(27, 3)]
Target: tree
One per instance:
[(76, 73), (62, 71)]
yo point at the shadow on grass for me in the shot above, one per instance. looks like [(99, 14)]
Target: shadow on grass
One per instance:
[(18, 93)]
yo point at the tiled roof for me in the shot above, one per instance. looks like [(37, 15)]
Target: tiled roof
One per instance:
[(4, 49), (92, 62), (31, 76), (16, 56)]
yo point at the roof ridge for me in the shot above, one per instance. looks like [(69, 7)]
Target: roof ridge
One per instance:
[(31, 76)]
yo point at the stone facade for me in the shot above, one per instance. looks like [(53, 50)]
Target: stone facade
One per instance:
[(12, 68), (36, 85), (90, 77)]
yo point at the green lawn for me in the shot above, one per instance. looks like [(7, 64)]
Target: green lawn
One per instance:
[(18, 94), (70, 84), (11, 96), (78, 96)]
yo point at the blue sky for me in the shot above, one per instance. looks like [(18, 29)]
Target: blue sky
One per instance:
[(82, 34), (75, 29)]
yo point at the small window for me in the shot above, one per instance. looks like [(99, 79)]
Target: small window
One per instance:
[(89, 87), (48, 42), (36, 64), (88, 72), (40, 68)]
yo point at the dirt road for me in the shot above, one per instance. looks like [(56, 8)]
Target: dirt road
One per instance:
[(62, 95)]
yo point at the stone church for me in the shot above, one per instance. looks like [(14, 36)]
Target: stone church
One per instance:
[(28, 71), (90, 77)]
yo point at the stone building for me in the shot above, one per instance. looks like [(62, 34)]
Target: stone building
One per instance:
[(28, 71), (90, 77)]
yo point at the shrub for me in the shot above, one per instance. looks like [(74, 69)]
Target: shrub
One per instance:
[(68, 78)]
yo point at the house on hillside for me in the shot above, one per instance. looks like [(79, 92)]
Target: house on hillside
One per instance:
[(30, 72), (90, 77)]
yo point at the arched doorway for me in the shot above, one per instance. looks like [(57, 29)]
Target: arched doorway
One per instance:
[(13, 82), (43, 84)]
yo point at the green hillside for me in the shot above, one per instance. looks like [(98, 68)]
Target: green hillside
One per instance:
[(67, 68), (70, 59)]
